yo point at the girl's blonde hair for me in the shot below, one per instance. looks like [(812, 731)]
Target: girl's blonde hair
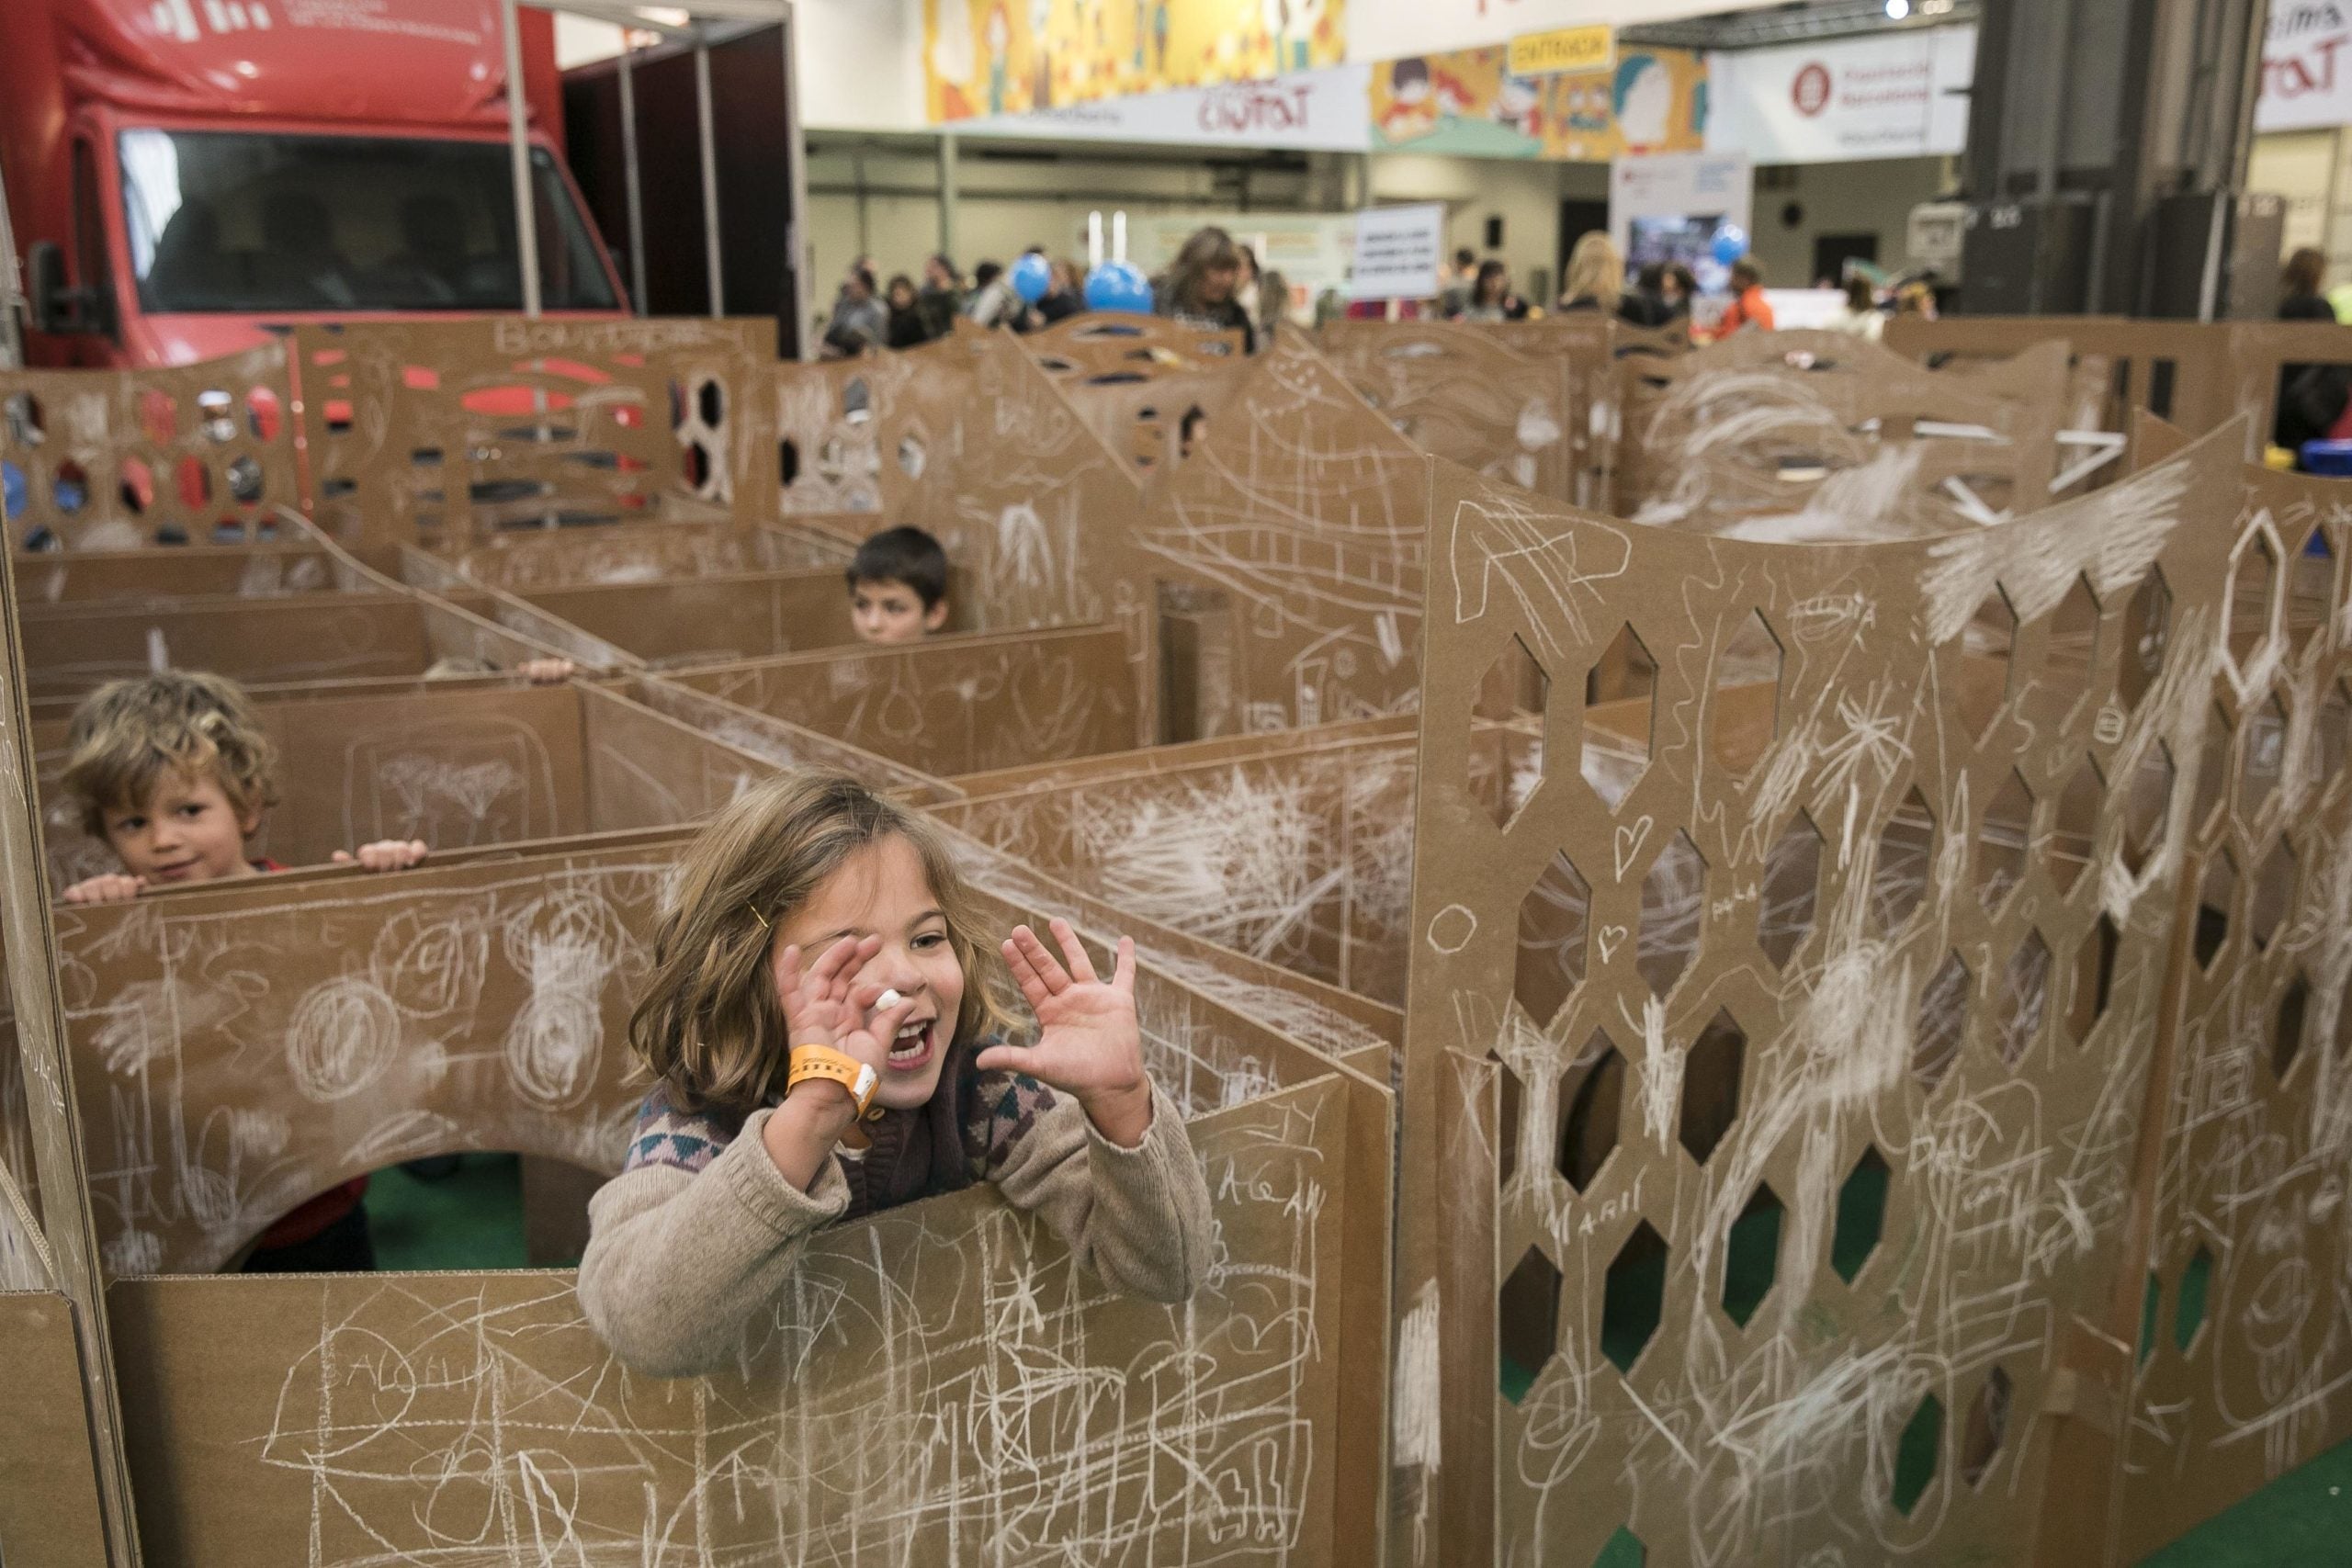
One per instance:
[(711, 1028), (1596, 269)]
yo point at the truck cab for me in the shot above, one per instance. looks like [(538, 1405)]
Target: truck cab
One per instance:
[(187, 177)]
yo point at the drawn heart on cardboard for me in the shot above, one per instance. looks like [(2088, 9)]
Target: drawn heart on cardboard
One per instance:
[(1631, 837), (1611, 939)]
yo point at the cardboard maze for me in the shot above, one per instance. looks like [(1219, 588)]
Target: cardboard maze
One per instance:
[(949, 706), (711, 618), (520, 562), (1136, 378), (483, 1012), (2242, 1328), (450, 432), (1775, 1070), (1460, 394), (1285, 559), (855, 436), (1820, 437), (465, 767), (201, 454)]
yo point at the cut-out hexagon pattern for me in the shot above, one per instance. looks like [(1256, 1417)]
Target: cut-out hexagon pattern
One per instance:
[(2024, 998), (2287, 1026), (1986, 647), (2188, 1301), (2094, 979), (1906, 855), (1747, 695), (2001, 840), (1593, 1094), (1674, 906), (1942, 1023), (2074, 836), (1622, 1550), (2262, 758), (2213, 767), (2331, 736), (1515, 684), (1861, 1214), (1632, 1298), (1919, 1452), (1528, 1322), (1510, 1099), (2254, 577), (2147, 805), (2073, 640), (2217, 897), (2274, 895), (2310, 590), (1620, 694), (1710, 1078), (1752, 1254), (1555, 933), (2147, 635), (1792, 892), (1988, 1427)]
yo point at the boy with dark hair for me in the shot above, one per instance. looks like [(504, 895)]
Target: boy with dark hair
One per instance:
[(897, 587)]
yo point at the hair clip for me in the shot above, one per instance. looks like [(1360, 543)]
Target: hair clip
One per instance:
[(757, 916)]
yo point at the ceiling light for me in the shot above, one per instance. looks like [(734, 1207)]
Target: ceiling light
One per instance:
[(1897, 9)]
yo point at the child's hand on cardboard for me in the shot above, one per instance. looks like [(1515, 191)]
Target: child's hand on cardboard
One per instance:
[(545, 671), (385, 854), (1088, 1045), (113, 888)]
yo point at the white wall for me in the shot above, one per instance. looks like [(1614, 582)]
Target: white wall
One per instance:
[(860, 64), (1874, 197), (1526, 195)]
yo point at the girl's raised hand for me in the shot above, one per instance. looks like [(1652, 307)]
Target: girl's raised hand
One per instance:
[(824, 1005), (1088, 1045)]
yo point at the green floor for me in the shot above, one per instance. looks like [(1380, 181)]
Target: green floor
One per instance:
[(474, 1220)]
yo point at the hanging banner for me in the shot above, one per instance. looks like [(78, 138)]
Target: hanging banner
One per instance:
[(1901, 95), (1393, 29), (1002, 57), (1320, 111), (1470, 104), (2306, 66)]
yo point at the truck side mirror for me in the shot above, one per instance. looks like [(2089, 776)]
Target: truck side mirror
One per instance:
[(57, 306), (52, 302)]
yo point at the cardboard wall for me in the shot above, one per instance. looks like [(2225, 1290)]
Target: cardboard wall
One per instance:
[(1822, 436), (1284, 561), (1462, 395), (117, 459), (711, 618), (949, 706), (856, 437), (630, 552), (2241, 1330), (449, 432), (1821, 1010), (252, 571), (1133, 379)]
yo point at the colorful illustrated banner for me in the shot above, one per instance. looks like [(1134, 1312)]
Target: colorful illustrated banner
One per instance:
[(1469, 104), (1311, 110), (984, 58)]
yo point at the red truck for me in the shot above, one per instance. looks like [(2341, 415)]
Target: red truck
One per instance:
[(184, 175)]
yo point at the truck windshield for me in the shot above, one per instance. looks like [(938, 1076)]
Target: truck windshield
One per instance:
[(244, 224)]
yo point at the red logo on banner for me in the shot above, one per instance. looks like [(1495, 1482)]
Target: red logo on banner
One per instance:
[(1810, 89)]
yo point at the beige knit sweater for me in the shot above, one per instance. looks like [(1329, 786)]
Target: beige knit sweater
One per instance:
[(680, 1262)]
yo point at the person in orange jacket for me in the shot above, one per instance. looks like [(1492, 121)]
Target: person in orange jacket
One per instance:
[(1749, 306)]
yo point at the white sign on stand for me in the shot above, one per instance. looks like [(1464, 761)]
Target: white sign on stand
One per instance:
[(1400, 251), (1667, 205)]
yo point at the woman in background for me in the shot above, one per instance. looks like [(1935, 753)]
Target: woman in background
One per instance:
[(1596, 281), (1492, 298), (1198, 291)]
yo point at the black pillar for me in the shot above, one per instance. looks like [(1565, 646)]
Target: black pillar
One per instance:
[(2107, 154)]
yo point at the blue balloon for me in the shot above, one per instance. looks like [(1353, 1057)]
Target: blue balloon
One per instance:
[(1731, 242), (1118, 286), (14, 496), (1033, 279)]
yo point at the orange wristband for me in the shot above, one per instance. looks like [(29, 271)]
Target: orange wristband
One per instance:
[(823, 1062)]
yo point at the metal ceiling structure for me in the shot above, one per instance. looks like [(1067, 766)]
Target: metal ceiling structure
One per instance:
[(1816, 19)]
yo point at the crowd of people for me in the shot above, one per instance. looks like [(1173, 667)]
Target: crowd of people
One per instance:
[(1214, 282)]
